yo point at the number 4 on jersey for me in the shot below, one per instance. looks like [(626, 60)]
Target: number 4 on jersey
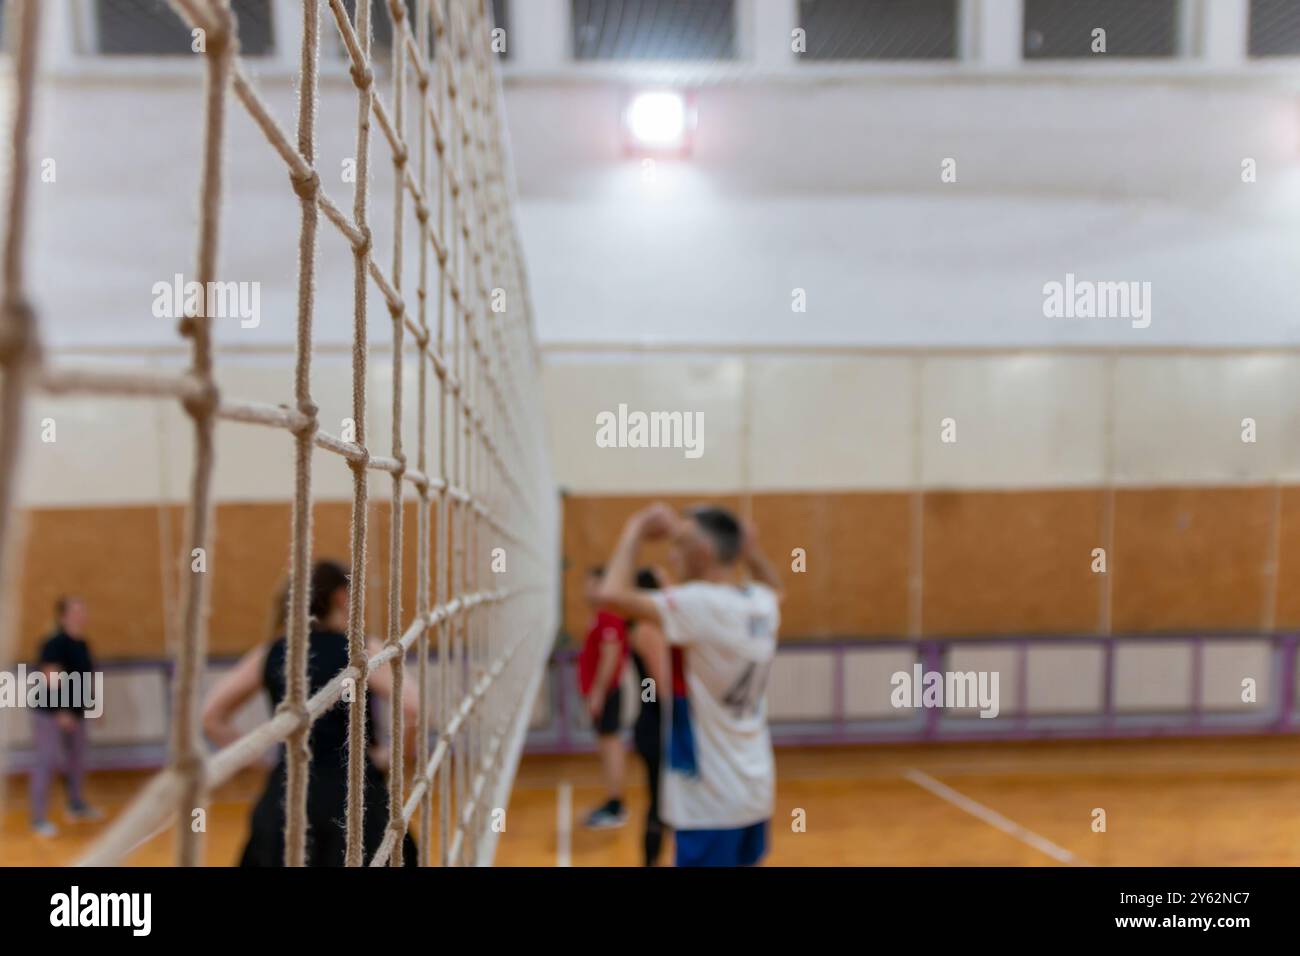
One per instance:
[(746, 693)]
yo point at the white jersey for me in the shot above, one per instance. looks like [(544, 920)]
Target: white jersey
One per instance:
[(718, 771)]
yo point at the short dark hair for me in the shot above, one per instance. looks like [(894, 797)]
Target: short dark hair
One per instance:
[(326, 578), (62, 603), (722, 528), (647, 580)]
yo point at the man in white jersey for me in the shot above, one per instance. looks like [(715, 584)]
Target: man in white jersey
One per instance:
[(721, 626)]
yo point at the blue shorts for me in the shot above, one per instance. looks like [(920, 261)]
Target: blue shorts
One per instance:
[(743, 846)]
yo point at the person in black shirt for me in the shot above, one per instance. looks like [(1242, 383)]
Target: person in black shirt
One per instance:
[(60, 733), (263, 668), (650, 657)]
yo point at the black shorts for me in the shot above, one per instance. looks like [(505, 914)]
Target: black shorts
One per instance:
[(609, 719)]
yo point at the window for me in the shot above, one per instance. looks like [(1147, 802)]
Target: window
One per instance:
[(381, 24), (152, 27), (879, 29), (501, 18), (1274, 28), (1063, 29), (654, 29)]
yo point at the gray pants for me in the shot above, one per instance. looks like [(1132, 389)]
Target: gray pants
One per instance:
[(57, 750)]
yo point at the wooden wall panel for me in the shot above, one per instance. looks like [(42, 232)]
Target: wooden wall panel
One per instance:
[(869, 538), (857, 560), (112, 556), (1010, 562), (380, 538), (995, 562), (251, 565), (1288, 565), (1191, 558), (109, 556), (786, 522)]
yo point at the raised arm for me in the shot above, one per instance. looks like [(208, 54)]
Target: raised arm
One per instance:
[(380, 683), (760, 569), (618, 590), (235, 688)]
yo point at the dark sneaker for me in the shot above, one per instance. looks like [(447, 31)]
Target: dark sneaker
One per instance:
[(84, 812), (607, 816)]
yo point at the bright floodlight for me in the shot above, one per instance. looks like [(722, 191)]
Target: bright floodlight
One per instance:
[(657, 119)]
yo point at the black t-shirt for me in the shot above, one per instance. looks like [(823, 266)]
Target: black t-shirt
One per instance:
[(69, 655), (327, 654)]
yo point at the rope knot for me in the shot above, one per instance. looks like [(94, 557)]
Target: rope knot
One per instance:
[(299, 735), (422, 213), (203, 401), (192, 766), (363, 247), (308, 426), (188, 326), (306, 186), (400, 458), (300, 712), (362, 462), (397, 309), (220, 39), (400, 157), (364, 79)]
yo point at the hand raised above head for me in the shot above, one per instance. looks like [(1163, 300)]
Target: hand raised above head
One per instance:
[(657, 521)]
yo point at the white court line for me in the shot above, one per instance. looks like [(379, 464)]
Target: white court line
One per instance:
[(564, 824), (992, 817)]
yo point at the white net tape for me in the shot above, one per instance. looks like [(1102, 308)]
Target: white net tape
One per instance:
[(487, 476)]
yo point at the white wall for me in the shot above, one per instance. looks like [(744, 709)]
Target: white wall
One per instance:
[(801, 176), (770, 423), (1022, 420)]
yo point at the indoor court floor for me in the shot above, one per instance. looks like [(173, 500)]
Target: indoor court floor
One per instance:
[(1204, 802)]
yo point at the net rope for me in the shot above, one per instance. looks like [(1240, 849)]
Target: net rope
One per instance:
[(488, 478)]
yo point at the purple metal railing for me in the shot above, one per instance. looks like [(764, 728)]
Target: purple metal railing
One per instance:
[(567, 732), (565, 735)]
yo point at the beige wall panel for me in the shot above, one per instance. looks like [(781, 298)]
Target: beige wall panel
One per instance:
[(830, 422), (578, 390), (106, 452), (1179, 418), (1022, 421)]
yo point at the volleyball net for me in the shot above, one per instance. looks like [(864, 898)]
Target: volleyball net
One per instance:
[(486, 508)]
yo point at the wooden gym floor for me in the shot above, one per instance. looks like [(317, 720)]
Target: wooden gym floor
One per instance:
[(1220, 802)]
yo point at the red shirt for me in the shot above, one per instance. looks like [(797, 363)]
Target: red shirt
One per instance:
[(606, 627)]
